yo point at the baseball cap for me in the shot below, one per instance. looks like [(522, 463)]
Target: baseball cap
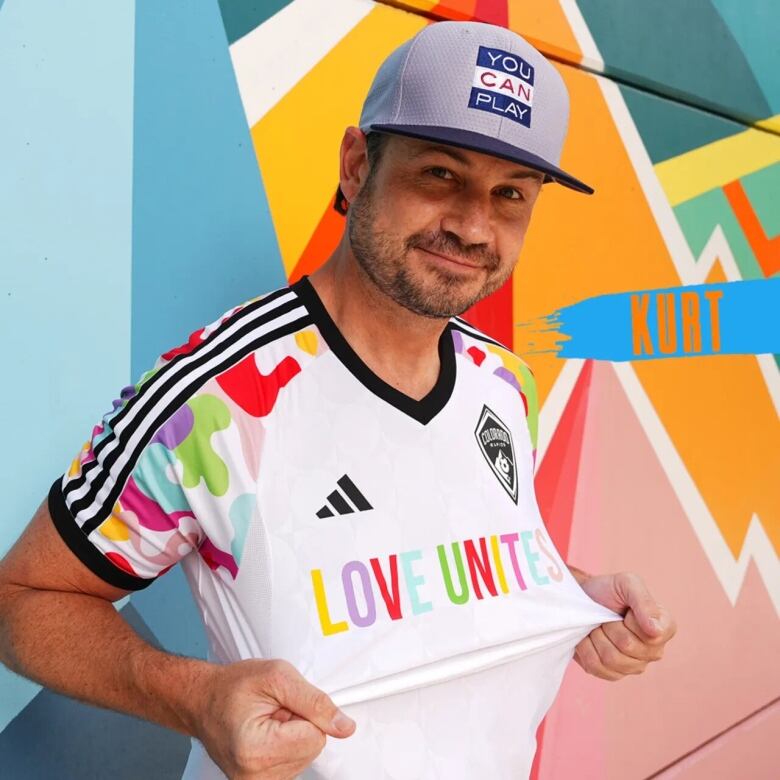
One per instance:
[(478, 86)]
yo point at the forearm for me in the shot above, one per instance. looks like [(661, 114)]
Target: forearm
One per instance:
[(80, 646)]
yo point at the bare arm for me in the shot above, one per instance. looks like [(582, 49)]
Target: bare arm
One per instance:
[(258, 719), (59, 628)]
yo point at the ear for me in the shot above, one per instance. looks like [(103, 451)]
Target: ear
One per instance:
[(353, 162)]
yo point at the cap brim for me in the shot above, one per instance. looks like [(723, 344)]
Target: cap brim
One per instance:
[(487, 145)]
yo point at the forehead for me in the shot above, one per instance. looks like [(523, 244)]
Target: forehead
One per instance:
[(410, 150)]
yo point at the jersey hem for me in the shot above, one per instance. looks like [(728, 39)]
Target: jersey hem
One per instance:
[(83, 549)]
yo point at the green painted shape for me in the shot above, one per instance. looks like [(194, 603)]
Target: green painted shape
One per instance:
[(463, 596), (196, 453), (683, 50), (242, 16), (755, 28), (763, 191), (698, 218), (528, 384), (669, 129)]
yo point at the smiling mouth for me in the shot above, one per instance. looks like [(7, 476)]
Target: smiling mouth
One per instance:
[(448, 258)]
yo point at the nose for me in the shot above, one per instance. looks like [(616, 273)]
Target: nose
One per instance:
[(469, 217)]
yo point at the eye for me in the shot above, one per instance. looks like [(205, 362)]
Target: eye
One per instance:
[(515, 194), (438, 170)]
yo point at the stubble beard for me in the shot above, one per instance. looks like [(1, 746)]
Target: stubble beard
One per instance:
[(389, 269)]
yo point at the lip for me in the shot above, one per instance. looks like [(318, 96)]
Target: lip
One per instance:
[(456, 261)]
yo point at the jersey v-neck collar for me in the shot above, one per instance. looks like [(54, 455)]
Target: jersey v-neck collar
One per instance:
[(423, 410)]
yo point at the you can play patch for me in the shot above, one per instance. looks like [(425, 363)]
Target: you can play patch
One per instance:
[(495, 441), (503, 84)]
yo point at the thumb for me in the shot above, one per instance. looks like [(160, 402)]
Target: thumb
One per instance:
[(293, 691), (638, 599)]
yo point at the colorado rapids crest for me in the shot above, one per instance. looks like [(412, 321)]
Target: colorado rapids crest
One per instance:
[(495, 441)]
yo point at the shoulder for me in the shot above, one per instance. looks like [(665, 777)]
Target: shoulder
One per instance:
[(243, 328), (499, 363), (476, 346)]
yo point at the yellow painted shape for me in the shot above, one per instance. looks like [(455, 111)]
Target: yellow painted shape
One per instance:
[(327, 625), (713, 165), (297, 142), (75, 466), (723, 423), (771, 123), (113, 528), (544, 25), (307, 341), (498, 563), (509, 360), (584, 245), (418, 5)]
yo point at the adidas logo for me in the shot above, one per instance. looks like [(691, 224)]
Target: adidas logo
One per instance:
[(340, 505)]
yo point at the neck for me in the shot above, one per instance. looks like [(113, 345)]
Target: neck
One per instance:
[(401, 347)]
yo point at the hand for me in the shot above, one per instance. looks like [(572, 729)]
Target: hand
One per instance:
[(616, 649), (262, 720)]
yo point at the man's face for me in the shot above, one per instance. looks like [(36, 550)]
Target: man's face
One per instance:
[(427, 202)]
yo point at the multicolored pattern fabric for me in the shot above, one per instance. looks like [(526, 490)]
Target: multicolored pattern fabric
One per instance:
[(184, 438), (390, 548)]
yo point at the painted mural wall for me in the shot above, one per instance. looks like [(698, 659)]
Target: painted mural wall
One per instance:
[(162, 164)]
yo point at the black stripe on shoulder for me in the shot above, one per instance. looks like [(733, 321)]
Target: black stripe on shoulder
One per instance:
[(162, 416), (164, 378), (205, 345), (83, 549), (464, 327)]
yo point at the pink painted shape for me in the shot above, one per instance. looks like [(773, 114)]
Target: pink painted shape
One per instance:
[(721, 666), (149, 513), (749, 749), (214, 557)]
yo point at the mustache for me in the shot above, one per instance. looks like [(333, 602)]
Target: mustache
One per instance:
[(448, 245)]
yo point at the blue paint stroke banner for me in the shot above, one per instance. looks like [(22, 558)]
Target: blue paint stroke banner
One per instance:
[(734, 318)]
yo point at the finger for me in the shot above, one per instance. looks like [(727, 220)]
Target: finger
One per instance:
[(272, 747), (637, 597), (291, 689), (282, 715), (654, 643), (612, 657), (589, 660), (629, 643)]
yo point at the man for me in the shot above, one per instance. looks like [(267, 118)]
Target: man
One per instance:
[(344, 469)]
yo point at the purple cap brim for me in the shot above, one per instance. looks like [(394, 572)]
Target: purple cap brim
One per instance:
[(487, 145)]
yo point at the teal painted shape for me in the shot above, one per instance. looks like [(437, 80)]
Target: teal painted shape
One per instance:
[(66, 98), (15, 694), (763, 191), (683, 50), (242, 16), (168, 608), (699, 216), (241, 511), (755, 27), (151, 476), (203, 239), (669, 128)]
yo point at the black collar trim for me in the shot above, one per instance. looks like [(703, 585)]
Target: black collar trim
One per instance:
[(423, 410)]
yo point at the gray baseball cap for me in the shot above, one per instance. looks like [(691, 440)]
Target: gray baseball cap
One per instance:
[(478, 86)]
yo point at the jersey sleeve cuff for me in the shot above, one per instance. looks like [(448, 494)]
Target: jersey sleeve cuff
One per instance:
[(83, 549)]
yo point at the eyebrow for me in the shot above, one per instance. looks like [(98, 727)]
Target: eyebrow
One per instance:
[(461, 158)]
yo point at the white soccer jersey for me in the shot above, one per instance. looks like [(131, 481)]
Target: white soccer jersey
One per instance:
[(390, 549)]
